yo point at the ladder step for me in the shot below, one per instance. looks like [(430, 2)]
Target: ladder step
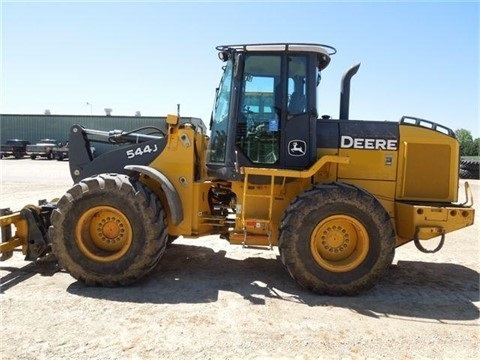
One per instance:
[(261, 224), (258, 195), (255, 225), (238, 238)]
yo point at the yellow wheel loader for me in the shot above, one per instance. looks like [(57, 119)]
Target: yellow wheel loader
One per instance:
[(337, 196)]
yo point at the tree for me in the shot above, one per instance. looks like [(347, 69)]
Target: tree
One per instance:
[(468, 147), (476, 146)]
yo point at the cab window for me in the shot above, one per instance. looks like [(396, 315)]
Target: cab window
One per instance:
[(297, 88), (220, 119), (258, 121)]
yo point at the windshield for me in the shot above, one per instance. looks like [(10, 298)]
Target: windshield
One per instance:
[(221, 110)]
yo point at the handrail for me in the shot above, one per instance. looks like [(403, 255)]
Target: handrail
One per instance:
[(410, 120), (296, 173)]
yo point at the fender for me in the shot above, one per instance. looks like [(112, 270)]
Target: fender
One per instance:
[(173, 199)]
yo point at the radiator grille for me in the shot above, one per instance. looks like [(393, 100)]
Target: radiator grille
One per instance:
[(427, 171)]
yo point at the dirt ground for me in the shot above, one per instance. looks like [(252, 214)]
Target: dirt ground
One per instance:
[(211, 300)]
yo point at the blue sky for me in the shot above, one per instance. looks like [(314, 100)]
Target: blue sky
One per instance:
[(418, 58)]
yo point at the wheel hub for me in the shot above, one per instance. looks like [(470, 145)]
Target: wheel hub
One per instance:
[(335, 239), (110, 232), (103, 234), (339, 243)]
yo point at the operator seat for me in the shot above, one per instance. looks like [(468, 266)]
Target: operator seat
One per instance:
[(297, 103)]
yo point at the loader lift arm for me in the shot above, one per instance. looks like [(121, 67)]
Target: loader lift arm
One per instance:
[(83, 164)]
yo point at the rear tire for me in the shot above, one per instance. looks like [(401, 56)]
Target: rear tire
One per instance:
[(108, 230), (466, 174), (469, 169), (336, 239), (471, 165)]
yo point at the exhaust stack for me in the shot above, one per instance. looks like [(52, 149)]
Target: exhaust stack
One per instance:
[(345, 92)]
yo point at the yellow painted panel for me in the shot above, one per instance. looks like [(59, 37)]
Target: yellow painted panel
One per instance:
[(368, 164), (328, 173), (384, 191), (176, 163), (200, 207), (410, 217), (428, 165)]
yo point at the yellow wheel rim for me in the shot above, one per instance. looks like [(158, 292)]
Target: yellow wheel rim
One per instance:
[(103, 234), (339, 243)]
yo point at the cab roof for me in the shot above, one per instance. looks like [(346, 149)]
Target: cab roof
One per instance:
[(323, 51)]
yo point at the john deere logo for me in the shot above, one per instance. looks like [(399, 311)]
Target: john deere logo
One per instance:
[(297, 148), (348, 142)]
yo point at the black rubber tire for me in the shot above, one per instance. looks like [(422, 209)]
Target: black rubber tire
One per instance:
[(471, 165), (33, 157), (319, 205), (132, 202), (469, 169), (466, 174)]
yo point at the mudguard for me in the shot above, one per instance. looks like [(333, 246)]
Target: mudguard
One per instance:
[(173, 199)]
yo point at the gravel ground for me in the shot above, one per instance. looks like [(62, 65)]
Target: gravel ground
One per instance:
[(210, 300)]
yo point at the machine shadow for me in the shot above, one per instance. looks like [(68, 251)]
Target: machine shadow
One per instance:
[(47, 266), (193, 274)]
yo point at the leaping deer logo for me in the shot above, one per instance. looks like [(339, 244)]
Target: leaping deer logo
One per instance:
[(297, 148)]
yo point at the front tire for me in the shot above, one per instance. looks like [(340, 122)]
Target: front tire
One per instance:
[(108, 230), (336, 239)]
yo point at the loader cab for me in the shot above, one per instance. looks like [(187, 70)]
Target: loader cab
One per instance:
[(265, 107)]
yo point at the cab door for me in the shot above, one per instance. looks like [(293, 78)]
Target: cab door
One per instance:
[(258, 130), (299, 117)]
